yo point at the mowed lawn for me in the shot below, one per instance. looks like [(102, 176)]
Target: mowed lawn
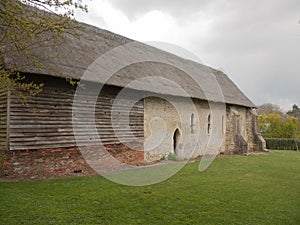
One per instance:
[(261, 189)]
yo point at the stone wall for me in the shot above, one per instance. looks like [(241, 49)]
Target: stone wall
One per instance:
[(160, 122), (242, 135), (228, 145), (187, 120), (231, 129), (259, 144), (237, 135)]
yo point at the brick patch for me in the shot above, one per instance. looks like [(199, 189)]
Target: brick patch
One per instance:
[(61, 162), (125, 154)]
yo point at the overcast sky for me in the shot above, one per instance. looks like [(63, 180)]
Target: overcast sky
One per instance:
[(257, 43)]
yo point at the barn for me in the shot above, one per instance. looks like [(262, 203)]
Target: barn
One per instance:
[(189, 111)]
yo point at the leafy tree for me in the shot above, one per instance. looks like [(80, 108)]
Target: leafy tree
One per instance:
[(269, 125), (23, 26), (291, 127), (275, 126), (295, 112)]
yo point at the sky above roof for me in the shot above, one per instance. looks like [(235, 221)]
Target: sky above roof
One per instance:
[(257, 43)]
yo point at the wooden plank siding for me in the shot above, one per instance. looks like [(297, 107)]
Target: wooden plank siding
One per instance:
[(47, 121), (3, 119)]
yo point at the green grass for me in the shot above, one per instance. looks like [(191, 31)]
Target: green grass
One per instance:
[(262, 189)]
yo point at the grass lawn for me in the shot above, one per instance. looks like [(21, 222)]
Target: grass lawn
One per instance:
[(262, 189)]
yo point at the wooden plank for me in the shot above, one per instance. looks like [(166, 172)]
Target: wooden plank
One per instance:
[(89, 137), (71, 142), (4, 114), (57, 130), (127, 106), (49, 122), (46, 135), (53, 145), (90, 107)]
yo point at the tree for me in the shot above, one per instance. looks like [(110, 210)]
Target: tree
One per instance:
[(295, 111), (275, 126), (291, 127), (23, 26), (268, 108)]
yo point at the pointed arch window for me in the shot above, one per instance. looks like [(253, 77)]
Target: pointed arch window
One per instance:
[(192, 123), (208, 123)]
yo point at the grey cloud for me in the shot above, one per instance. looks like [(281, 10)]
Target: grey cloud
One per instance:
[(259, 49), (175, 7), (181, 9)]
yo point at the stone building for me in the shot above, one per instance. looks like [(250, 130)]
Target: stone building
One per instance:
[(39, 141)]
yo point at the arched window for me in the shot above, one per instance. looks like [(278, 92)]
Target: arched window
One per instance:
[(192, 123), (208, 124), (176, 140)]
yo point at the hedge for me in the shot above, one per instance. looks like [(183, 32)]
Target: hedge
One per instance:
[(282, 144)]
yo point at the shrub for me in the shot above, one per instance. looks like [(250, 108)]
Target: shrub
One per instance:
[(282, 144), (172, 156)]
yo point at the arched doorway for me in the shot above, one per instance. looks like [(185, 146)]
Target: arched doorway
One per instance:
[(176, 140)]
